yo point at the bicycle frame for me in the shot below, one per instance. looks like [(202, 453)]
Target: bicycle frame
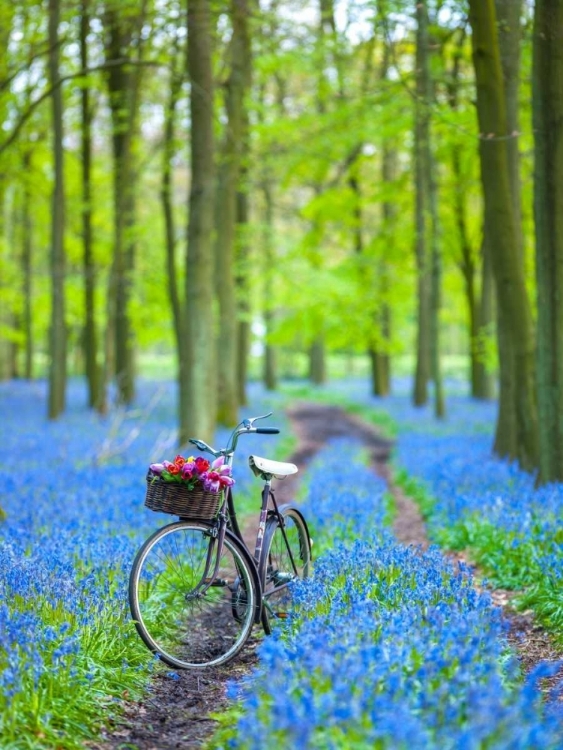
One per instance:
[(227, 519)]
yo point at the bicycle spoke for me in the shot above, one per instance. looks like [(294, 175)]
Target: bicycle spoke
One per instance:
[(188, 622)]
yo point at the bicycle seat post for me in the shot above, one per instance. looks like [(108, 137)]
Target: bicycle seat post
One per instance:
[(263, 518)]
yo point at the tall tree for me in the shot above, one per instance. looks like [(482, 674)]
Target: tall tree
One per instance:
[(166, 196), (198, 390), (58, 333), (242, 264), (468, 257), (27, 265), (509, 38), (484, 377), (422, 206), (90, 337), (124, 35), (7, 11), (228, 182), (269, 371), (378, 351), (500, 227), (548, 197)]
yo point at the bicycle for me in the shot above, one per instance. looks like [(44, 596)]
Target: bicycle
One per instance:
[(195, 588)]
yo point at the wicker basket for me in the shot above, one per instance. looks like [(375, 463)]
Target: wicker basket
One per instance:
[(177, 499)]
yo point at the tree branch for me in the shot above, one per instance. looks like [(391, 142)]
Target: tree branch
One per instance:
[(63, 79)]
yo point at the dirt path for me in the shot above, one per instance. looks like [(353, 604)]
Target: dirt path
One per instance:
[(175, 712)]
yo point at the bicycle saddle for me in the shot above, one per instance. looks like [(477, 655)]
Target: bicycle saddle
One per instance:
[(266, 469)]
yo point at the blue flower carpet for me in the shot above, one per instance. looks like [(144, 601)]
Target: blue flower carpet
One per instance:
[(391, 647)]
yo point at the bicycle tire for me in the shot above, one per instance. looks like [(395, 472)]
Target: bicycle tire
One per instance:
[(277, 570), (199, 631)]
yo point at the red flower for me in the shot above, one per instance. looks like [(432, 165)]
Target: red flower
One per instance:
[(173, 469), (201, 464), (179, 461)]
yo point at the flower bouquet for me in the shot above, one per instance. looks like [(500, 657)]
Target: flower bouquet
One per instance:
[(187, 487)]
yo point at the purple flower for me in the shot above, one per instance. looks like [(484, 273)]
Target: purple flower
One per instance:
[(157, 469), (211, 481)]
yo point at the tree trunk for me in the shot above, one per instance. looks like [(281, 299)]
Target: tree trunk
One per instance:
[(27, 268), (435, 289), (500, 227), (422, 210), (93, 375), (270, 364), (509, 25), (5, 31), (242, 285), (317, 362), (509, 37), (57, 333), (198, 419), (378, 352), (166, 196), (484, 376), (227, 189), (548, 197), (123, 34), (467, 261)]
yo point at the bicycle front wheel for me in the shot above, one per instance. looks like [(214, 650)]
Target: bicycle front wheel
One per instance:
[(285, 558), (178, 616)]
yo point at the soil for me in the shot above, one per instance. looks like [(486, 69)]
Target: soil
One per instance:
[(177, 710)]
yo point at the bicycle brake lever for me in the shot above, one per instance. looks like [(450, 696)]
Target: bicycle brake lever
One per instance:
[(200, 444), (264, 416)]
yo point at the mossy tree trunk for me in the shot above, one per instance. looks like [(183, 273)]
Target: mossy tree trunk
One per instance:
[(169, 149), (27, 266), (484, 383), (228, 182), (269, 371), (422, 210), (198, 416), (501, 230), (123, 35), (57, 331), (242, 275), (90, 340), (378, 350), (509, 37), (467, 255), (548, 198), (5, 31)]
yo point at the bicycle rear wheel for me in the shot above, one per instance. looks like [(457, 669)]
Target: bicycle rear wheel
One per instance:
[(185, 627), (284, 559)]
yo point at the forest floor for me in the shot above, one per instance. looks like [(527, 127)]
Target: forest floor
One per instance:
[(176, 712)]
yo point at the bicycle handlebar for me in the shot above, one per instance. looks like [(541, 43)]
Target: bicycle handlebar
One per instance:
[(245, 427)]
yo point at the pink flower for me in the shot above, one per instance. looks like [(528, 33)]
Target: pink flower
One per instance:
[(187, 471), (211, 481)]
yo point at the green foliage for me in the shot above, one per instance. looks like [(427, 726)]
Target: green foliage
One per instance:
[(509, 559), (415, 490), (98, 666)]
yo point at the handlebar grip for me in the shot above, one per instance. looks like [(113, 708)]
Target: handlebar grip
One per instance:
[(267, 430)]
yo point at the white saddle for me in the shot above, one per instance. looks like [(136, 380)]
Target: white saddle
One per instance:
[(265, 468)]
